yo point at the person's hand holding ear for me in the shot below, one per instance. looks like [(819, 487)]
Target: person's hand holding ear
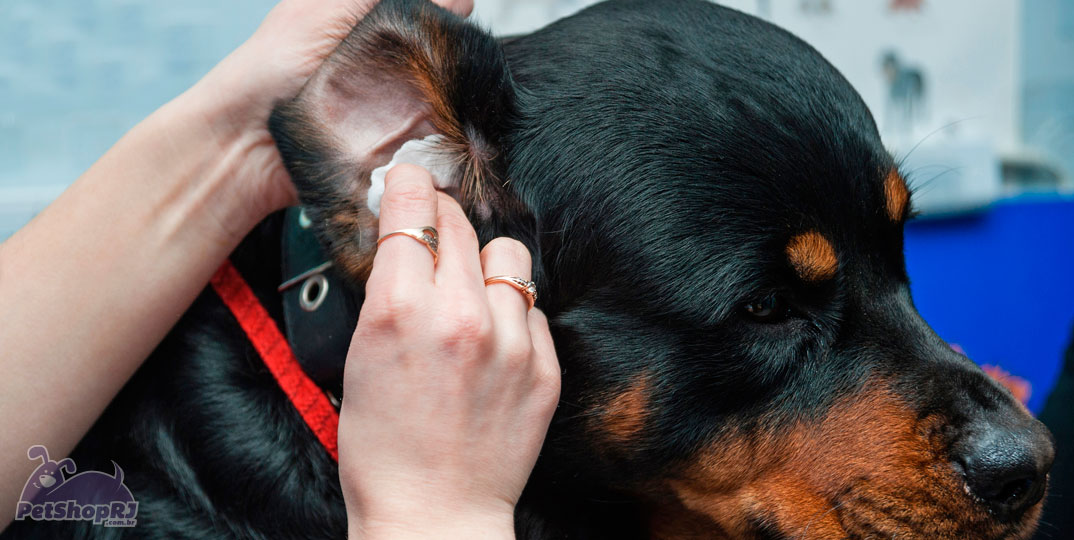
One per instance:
[(237, 96)]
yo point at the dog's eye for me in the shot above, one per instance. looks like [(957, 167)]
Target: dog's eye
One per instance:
[(770, 309)]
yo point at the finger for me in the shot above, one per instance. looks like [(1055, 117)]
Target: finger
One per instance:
[(507, 305), (544, 350), (460, 265), (462, 8), (409, 202)]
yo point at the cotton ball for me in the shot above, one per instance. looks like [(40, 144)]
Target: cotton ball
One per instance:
[(422, 152)]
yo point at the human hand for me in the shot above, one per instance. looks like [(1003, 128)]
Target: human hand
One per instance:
[(449, 386), (237, 96)]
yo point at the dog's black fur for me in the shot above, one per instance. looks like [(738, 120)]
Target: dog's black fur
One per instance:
[(661, 160)]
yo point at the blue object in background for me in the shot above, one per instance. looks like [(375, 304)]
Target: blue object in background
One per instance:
[(1000, 283)]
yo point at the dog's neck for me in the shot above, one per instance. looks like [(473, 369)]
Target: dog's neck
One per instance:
[(320, 310)]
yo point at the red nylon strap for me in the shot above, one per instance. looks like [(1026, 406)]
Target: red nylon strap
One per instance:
[(305, 395)]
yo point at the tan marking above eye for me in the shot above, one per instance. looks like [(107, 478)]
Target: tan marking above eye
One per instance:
[(812, 256), (896, 196)]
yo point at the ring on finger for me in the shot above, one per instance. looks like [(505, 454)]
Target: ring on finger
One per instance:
[(425, 235), (526, 287)]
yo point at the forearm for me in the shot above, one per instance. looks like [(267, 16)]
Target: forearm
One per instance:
[(94, 282)]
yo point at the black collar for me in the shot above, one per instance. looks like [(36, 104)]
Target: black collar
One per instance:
[(320, 311)]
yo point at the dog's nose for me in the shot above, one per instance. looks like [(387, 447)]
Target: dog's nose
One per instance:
[(1006, 467)]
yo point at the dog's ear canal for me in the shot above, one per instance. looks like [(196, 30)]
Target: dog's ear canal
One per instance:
[(408, 70)]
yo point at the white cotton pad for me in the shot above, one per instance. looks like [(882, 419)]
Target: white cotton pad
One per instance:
[(422, 152)]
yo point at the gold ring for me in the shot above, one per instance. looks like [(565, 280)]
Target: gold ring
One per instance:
[(425, 235), (528, 288)]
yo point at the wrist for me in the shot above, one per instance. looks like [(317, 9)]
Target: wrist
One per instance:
[(428, 523), (419, 509), (225, 162)]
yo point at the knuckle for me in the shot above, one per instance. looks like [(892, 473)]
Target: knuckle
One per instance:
[(458, 6), (466, 324), (548, 377), (365, 331), (374, 327), (394, 303), (509, 249), (539, 318), (410, 196), (456, 225), (448, 204), (518, 352)]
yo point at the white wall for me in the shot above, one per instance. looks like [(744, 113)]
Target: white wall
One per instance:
[(967, 51), (967, 48), (76, 74)]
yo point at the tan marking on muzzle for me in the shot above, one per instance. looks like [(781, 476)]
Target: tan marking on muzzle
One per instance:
[(870, 466)]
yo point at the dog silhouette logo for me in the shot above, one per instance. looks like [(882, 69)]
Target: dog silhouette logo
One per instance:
[(53, 492)]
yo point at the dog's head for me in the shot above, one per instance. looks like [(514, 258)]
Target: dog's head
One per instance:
[(718, 238)]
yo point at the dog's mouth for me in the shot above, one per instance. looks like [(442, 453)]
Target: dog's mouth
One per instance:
[(870, 469), (941, 512), (868, 509)]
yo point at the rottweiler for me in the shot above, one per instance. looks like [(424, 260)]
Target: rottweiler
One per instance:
[(717, 233)]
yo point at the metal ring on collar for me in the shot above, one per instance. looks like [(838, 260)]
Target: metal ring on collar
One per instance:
[(314, 291)]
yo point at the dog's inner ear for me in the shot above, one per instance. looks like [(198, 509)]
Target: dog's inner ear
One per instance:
[(408, 70)]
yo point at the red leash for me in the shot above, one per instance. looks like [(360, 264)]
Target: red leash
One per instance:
[(305, 395)]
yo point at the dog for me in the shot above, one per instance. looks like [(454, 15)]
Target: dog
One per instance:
[(717, 237)]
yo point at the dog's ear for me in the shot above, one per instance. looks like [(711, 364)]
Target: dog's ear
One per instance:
[(408, 70)]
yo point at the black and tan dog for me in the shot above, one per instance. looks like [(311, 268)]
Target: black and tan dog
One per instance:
[(717, 232)]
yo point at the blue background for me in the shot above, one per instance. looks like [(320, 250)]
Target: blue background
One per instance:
[(1000, 283)]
